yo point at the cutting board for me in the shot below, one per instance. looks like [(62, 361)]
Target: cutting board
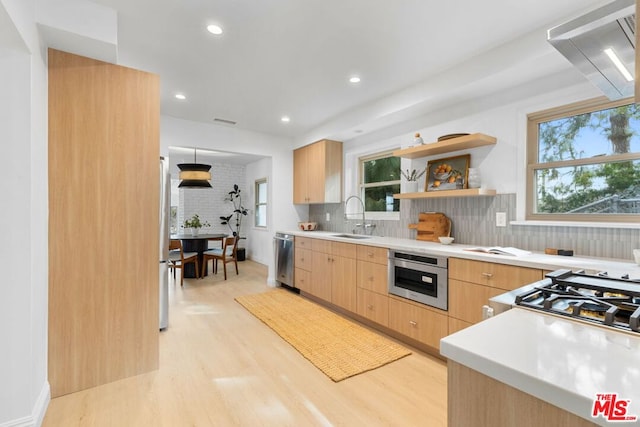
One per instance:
[(432, 225)]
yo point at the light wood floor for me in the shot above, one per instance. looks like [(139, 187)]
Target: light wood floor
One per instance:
[(220, 366)]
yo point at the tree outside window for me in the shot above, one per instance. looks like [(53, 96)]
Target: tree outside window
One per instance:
[(379, 181), (584, 162)]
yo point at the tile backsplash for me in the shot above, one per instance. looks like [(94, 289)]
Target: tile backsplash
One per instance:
[(473, 223)]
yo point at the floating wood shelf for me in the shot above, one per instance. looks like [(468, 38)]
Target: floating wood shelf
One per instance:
[(454, 144), (470, 192)]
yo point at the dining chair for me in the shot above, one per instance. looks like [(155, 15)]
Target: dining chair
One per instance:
[(227, 254), (178, 258)]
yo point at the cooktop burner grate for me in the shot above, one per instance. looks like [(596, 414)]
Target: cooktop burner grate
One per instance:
[(613, 302)]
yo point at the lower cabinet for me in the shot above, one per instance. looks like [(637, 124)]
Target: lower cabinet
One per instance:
[(355, 278), (302, 280), (333, 273), (418, 323), (466, 300), (472, 283), (373, 306)]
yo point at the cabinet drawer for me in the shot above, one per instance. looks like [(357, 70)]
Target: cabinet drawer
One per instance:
[(319, 245), (346, 250), (466, 300), (373, 306), (456, 325), (302, 279), (420, 324), (373, 277), (303, 259), (507, 277), (373, 254), (302, 242)]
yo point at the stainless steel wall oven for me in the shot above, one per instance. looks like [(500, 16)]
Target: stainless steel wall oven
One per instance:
[(419, 277)]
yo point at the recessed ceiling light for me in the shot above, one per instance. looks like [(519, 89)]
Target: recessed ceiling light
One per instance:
[(214, 29), (180, 96), (354, 79), (285, 119)]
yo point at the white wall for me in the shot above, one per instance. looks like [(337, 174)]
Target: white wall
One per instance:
[(184, 133), (24, 390), (210, 203), (503, 115)]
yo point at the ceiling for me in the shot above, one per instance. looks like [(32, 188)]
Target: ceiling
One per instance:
[(294, 58)]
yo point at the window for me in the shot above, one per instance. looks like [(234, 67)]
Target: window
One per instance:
[(584, 162), (379, 181), (261, 203)]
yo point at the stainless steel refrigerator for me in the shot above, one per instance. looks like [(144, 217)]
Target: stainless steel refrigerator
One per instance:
[(165, 196)]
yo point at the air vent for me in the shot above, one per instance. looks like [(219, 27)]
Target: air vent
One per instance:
[(225, 121)]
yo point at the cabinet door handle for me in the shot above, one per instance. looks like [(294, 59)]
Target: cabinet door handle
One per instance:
[(371, 278), (413, 323), (370, 254), (489, 275), (370, 307)]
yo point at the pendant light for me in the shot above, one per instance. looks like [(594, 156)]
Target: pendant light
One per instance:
[(194, 175)]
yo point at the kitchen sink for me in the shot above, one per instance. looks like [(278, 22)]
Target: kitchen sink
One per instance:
[(352, 236)]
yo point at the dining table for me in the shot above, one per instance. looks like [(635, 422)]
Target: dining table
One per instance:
[(196, 243)]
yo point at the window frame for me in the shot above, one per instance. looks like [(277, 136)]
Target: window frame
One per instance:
[(379, 215), (533, 165), (257, 203)]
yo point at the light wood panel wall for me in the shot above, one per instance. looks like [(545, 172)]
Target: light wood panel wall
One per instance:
[(103, 222)]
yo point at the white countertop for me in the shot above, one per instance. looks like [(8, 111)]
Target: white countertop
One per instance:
[(615, 268), (560, 361)]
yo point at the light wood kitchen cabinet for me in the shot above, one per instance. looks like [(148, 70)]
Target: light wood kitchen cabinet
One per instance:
[(373, 306), (476, 399), (506, 277), (472, 283), (466, 300), (333, 272), (317, 173), (372, 279), (373, 254), (302, 264), (418, 322), (303, 242)]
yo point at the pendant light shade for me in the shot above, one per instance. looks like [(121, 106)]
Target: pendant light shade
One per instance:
[(194, 175)]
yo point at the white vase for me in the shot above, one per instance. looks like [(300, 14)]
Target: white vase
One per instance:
[(194, 231), (411, 187), (473, 179)]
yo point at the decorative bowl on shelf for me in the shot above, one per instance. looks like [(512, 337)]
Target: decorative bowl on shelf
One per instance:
[(445, 240), (451, 136), (441, 176), (307, 226)]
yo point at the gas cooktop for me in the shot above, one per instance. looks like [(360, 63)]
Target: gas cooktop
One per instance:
[(609, 301)]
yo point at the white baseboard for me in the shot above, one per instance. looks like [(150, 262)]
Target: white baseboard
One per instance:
[(37, 415)]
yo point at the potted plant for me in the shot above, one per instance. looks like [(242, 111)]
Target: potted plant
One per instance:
[(234, 220), (195, 224), (412, 179)]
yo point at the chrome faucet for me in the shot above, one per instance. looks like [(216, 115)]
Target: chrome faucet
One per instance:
[(366, 228)]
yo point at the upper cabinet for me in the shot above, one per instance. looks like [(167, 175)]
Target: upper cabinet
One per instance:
[(317, 173), (447, 146)]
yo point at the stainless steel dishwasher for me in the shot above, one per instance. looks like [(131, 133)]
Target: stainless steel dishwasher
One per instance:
[(284, 257)]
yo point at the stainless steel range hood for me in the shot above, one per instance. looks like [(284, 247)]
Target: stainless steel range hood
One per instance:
[(583, 42)]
